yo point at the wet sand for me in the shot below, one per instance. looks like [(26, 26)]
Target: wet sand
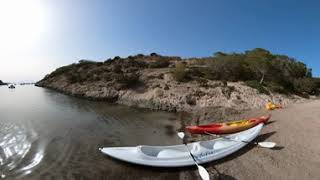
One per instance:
[(296, 130)]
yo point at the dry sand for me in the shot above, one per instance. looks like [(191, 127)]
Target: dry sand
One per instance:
[(296, 130)]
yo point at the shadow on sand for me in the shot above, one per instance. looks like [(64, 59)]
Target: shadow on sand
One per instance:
[(270, 122), (245, 149)]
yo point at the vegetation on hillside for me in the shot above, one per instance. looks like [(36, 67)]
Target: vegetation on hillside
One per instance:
[(257, 68), (122, 73), (260, 69)]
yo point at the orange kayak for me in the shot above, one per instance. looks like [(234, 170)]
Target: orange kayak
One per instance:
[(227, 127), (271, 106)]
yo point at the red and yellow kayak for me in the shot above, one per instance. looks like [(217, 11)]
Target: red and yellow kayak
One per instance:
[(227, 127)]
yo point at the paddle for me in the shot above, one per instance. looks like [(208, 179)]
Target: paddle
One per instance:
[(202, 171), (269, 145)]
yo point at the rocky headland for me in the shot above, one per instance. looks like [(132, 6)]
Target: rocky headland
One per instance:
[(191, 85)]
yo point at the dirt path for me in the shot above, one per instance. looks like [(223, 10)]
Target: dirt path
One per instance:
[(296, 129)]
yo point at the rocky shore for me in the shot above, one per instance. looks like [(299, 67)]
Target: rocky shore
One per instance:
[(150, 82)]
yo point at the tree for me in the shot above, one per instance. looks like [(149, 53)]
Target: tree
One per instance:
[(219, 54), (154, 54), (258, 59)]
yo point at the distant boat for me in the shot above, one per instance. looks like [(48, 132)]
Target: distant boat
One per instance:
[(12, 86)]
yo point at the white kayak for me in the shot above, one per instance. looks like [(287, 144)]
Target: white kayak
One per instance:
[(178, 155)]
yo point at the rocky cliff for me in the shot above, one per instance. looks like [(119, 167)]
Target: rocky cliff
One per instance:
[(151, 82)]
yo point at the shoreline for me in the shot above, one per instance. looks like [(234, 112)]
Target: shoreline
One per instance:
[(207, 108)]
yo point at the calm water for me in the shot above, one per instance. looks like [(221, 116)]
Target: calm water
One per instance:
[(48, 135)]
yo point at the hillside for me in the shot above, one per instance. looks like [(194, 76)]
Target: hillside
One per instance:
[(237, 80)]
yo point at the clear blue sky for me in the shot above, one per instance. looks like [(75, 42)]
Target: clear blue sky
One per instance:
[(99, 29)]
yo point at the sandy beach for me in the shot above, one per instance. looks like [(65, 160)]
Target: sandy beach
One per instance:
[(296, 131)]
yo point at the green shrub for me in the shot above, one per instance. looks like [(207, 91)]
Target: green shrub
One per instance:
[(85, 61), (275, 87), (198, 61), (202, 82), (108, 61), (306, 85), (117, 68), (139, 56), (129, 63), (256, 85), (317, 81), (197, 72), (128, 80), (159, 63), (230, 68), (179, 73), (154, 54), (63, 69)]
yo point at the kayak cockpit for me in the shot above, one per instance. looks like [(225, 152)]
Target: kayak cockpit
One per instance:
[(181, 151), (170, 151), (216, 145)]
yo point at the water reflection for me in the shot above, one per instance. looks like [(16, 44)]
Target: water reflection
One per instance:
[(48, 135), (16, 143)]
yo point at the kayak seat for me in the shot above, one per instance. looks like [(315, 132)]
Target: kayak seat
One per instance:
[(217, 144), (149, 151), (162, 153), (172, 153), (207, 144), (177, 153)]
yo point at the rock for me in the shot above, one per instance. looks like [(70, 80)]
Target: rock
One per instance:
[(168, 77), (166, 87), (158, 92), (191, 100)]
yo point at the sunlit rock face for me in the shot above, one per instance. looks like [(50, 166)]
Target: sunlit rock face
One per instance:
[(19, 151)]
